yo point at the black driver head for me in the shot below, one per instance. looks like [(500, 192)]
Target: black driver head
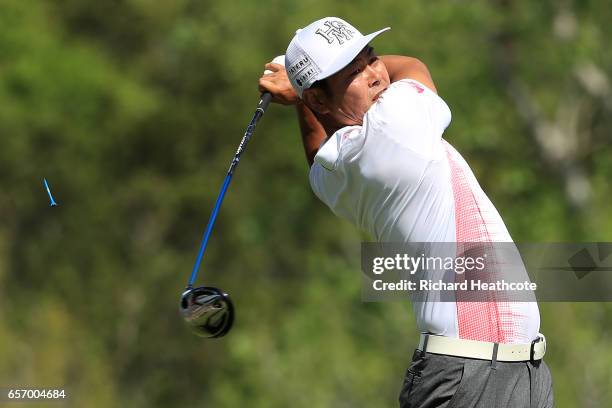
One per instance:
[(208, 311)]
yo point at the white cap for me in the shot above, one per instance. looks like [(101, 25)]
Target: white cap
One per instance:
[(321, 49)]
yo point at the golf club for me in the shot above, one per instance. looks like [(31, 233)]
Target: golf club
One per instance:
[(209, 311)]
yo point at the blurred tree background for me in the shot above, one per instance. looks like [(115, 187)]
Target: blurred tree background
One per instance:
[(132, 109)]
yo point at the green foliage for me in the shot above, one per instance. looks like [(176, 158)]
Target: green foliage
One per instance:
[(132, 109)]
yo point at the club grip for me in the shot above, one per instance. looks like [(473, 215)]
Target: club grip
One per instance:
[(264, 102)]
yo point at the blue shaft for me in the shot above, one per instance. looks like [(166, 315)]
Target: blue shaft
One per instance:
[(209, 227), (261, 109)]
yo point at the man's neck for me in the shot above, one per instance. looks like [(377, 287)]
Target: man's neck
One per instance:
[(330, 125)]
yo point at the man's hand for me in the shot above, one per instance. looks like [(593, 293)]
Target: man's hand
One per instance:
[(277, 83)]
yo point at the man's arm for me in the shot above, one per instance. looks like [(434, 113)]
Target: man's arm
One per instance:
[(400, 67), (312, 131), (277, 83)]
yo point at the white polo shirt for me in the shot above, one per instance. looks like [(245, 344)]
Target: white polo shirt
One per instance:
[(396, 178)]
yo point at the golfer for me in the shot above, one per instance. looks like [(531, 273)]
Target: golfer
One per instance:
[(372, 130)]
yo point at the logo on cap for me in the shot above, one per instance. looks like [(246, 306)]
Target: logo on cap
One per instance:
[(302, 70), (335, 30), (304, 76)]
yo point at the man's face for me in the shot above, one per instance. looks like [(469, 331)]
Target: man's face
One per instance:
[(355, 88)]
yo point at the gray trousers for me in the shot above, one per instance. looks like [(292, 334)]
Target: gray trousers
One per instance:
[(441, 381)]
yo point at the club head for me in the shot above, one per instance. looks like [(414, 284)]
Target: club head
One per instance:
[(208, 311)]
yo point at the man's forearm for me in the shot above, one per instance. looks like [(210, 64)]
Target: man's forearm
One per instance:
[(401, 67), (313, 133)]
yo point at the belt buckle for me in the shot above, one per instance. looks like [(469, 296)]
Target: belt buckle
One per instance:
[(532, 348)]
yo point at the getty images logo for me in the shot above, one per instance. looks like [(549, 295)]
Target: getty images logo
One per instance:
[(335, 30)]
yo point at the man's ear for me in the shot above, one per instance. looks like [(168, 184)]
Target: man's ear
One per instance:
[(316, 100)]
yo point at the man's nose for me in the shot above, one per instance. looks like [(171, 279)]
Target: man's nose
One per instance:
[(373, 77)]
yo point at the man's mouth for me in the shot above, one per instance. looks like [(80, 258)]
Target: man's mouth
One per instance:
[(378, 95)]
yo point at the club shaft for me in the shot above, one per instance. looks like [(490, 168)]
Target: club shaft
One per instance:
[(261, 109)]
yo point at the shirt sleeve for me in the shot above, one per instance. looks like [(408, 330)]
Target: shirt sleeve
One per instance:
[(316, 177), (327, 173), (412, 115)]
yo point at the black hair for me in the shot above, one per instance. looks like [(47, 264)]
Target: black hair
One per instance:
[(323, 85)]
